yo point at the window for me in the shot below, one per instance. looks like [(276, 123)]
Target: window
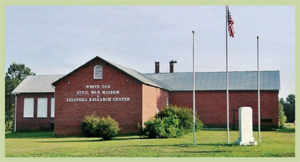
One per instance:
[(98, 72), (167, 101), (28, 107), (267, 120), (52, 107), (42, 108)]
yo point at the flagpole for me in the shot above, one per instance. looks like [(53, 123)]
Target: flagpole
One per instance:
[(258, 89), (194, 85), (227, 77)]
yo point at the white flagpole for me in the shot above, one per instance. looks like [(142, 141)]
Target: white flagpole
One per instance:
[(227, 77), (194, 84), (258, 89)]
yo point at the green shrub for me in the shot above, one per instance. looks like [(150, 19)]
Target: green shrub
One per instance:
[(9, 125), (107, 128), (154, 128), (89, 126), (185, 117), (172, 122), (172, 129), (161, 128), (93, 126)]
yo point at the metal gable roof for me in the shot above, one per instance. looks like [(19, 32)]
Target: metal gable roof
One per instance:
[(179, 81), (37, 84), (140, 77), (209, 81)]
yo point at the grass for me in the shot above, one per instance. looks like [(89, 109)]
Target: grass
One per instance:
[(288, 128), (279, 143)]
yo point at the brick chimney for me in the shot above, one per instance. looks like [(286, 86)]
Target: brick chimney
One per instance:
[(156, 67), (172, 62)]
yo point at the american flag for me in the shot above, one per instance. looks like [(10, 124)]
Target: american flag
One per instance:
[(230, 25)]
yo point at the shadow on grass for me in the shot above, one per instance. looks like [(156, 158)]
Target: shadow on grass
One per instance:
[(37, 135), (206, 144), (29, 135), (51, 135), (286, 130), (205, 152), (187, 145), (128, 138), (70, 141), (84, 139)]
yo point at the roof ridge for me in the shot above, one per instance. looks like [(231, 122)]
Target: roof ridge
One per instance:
[(211, 72)]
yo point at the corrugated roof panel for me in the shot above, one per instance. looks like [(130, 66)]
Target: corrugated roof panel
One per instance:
[(238, 80), (182, 81), (187, 80), (272, 79), (277, 75), (214, 79), (199, 81), (232, 79), (210, 80), (264, 81), (204, 84), (221, 77), (37, 84), (253, 77)]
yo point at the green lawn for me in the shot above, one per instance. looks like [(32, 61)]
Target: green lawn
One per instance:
[(209, 144)]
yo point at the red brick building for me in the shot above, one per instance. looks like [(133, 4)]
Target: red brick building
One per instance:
[(106, 88)]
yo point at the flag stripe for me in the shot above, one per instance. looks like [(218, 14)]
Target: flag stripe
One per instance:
[(230, 25)]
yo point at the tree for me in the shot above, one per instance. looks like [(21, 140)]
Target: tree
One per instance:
[(289, 107), (16, 73), (281, 116)]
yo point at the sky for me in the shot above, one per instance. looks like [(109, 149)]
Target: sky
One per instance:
[(58, 39)]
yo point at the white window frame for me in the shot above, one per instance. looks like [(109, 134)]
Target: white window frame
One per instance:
[(52, 107), (98, 72), (42, 107), (28, 110), (167, 101)]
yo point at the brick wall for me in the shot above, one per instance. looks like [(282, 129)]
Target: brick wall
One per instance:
[(153, 98), (211, 106), (69, 115), (35, 123)]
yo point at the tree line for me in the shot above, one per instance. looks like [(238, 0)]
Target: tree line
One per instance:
[(289, 107), (15, 74)]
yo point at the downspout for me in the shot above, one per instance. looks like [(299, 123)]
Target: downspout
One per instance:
[(53, 86), (15, 125)]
